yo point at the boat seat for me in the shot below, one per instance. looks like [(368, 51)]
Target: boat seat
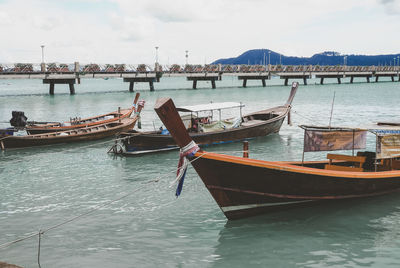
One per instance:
[(252, 122), (357, 160)]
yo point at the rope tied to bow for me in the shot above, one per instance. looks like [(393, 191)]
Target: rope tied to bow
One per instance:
[(188, 151)]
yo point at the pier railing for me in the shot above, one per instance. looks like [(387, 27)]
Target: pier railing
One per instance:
[(90, 68), (62, 73)]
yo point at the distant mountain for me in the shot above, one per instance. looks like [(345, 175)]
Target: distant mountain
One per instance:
[(265, 56)]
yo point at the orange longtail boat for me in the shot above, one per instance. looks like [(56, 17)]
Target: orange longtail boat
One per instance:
[(244, 187)]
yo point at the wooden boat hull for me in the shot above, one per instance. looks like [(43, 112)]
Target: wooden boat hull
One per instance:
[(245, 187), (81, 134), (83, 123), (253, 125), (32, 130), (153, 141)]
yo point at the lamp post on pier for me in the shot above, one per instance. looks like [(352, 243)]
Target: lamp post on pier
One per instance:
[(187, 55), (269, 57), (42, 46), (264, 61), (42, 65), (269, 60), (156, 65)]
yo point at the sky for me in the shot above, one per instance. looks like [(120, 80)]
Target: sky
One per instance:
[(127, 31)]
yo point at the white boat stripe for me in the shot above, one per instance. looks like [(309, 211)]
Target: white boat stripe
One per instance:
[(240, 207)]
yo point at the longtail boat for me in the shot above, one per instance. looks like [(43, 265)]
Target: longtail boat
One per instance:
[(205, 131), (244, 187), (74, 135), (45, 127)]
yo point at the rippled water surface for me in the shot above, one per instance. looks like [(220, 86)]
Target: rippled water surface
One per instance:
[(41, 187)]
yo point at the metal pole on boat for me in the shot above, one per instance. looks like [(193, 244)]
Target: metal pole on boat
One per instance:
[(304, 140), (245, 149), (376, 150), (333, 101), (353, 144), (241, 117), (119, 114)]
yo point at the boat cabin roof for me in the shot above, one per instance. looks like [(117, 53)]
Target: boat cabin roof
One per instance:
[(210, 107)]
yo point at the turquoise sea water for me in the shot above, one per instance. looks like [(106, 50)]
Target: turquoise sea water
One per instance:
[(41, 187)]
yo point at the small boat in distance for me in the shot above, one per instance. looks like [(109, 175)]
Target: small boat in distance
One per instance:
[(90, 133), (206, 130), (244, 187), (45, 127)]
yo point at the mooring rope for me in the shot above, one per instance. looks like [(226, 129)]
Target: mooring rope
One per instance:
[(306, 117), (42, 231)]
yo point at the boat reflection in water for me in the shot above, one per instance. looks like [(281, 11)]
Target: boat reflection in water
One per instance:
[(340, 233)]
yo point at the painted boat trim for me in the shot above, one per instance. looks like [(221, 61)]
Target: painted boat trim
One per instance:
[(290, 167)]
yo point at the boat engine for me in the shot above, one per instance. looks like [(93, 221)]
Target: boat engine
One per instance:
[(18, 119)]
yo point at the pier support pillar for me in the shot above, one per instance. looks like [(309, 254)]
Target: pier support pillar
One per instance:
[(213, 84), (244, 82), (305, 80), (53, 81), (141, 78), (263, 82), (392, 78), (286, 81), (376, 78), (194, 84), (351, 79), (338, 80), (367, 79), (71, 89), (51, 90), (322, 81)]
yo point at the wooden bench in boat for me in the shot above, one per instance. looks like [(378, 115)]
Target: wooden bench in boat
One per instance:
[(357, 160), (252, 122)]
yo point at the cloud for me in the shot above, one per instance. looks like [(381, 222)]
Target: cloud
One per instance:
[(392, 7), (46, 23), (5, 19), (132, 28), (126, 31)]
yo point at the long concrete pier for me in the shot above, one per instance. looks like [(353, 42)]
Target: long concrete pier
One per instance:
[(71, 74)]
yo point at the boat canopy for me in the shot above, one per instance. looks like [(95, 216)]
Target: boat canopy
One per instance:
[(379, 129), (318, 138), (210, 107)]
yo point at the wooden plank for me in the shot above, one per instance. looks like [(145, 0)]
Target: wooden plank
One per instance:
[(359, 159), (343, 168)]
